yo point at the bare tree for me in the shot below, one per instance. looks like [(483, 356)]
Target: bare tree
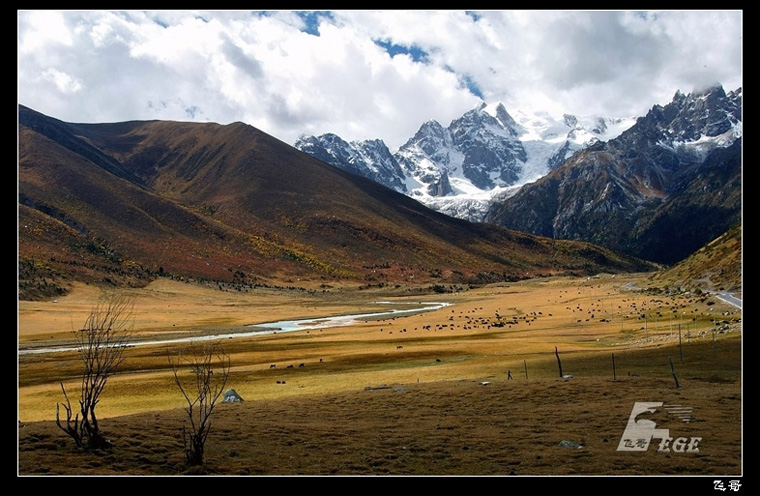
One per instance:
[(102, 342), (201, 388)]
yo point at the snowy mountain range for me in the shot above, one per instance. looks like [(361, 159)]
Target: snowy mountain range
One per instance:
[(485, 154), (661, 190)]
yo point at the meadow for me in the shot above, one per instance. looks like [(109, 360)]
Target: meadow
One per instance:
[(473, 388)]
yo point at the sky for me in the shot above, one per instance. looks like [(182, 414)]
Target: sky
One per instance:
[(365, 74)]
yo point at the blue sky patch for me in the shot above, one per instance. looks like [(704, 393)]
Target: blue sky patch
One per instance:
[(311, 20), (417, 53), (466, 81)]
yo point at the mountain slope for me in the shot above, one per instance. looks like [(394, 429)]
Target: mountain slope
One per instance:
[(660, 191), (127, 202)]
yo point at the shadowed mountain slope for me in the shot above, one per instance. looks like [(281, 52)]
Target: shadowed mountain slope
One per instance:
[(123, 203), (717, 266)]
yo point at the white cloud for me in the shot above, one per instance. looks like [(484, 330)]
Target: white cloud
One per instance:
[(288, 74), (38, 29), (65, 83)]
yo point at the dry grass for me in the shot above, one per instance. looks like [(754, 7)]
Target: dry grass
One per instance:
[(424, 394), (442, 428)]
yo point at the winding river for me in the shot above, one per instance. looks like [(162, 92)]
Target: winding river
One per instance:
[(274, 327)]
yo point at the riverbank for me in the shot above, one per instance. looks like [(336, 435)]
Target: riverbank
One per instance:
[(166, 307), (263, 328)]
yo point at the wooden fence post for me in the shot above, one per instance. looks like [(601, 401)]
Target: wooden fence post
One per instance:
[(559, 363), (673, 370), (613, 367)]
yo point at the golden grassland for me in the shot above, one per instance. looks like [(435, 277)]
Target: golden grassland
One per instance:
[(484, 366)]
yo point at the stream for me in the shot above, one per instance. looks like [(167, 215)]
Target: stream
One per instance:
[(272, 327)]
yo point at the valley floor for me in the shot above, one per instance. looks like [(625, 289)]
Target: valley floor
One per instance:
[(440, 393)]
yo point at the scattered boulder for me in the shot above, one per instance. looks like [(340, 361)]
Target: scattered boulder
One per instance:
[(570, 444)]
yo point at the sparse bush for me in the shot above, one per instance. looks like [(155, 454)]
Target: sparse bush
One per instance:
[(201, 388), (102, 342)]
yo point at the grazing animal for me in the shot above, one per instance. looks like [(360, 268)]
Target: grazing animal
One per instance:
[(273, 366), (399, 347)]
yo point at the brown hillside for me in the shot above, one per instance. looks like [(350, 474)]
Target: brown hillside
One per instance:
[(123, 203), (715, 267)]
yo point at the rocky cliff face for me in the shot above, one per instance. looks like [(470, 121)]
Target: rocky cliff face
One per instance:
[(370, 158)]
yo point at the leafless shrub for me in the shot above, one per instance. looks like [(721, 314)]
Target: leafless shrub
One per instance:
[(102, 342), (201, 388)]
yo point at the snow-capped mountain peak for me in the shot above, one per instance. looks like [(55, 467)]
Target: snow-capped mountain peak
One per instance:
[(458, 169)]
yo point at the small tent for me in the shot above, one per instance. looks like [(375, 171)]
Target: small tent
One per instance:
[(231, 396)]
